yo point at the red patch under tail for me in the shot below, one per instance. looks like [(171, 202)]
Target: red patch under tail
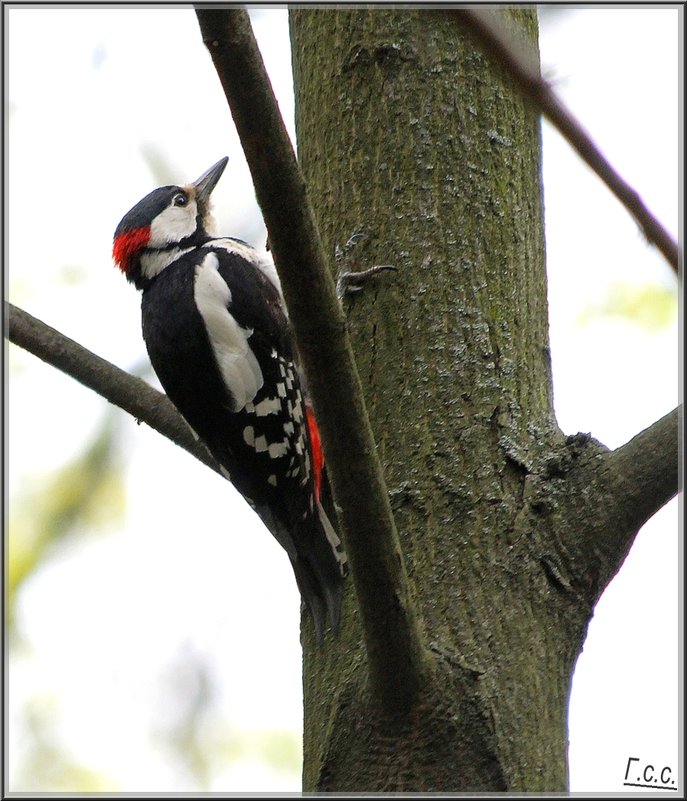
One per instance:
[(316, 451)]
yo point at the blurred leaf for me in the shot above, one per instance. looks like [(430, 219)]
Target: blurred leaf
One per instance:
[(650, 306), (85, 495), (47, 767), (280, 750)]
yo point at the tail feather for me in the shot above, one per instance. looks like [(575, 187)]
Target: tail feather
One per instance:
[(323, 600), (320, 569), (328, 558), (334, 541), (319, 564)]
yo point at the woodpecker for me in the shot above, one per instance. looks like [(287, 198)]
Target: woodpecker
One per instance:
[(217, 333)]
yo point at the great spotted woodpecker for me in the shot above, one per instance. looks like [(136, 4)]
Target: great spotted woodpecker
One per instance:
[(216, 330)]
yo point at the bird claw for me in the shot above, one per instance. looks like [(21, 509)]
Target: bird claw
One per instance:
[(355, 238), (341, 252), (349, 282)]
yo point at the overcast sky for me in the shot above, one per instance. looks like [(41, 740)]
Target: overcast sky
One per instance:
[(116, 624)]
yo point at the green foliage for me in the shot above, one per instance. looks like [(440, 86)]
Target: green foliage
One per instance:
[(281, 750), (48, 767), (84, 495), (652, 307)]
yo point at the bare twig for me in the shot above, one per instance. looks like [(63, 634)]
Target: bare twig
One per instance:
[(392, 639), (132, 394), (501, 46)]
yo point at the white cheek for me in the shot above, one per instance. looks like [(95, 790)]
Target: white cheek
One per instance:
[(174, 224)]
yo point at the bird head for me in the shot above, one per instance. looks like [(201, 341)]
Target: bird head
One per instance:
[(170, 218)]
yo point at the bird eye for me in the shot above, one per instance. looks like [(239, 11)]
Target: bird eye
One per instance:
[(179, 199)]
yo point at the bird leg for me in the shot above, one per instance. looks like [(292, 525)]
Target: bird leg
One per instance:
[(349, 282)]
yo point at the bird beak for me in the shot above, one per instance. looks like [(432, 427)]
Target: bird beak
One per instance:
[(208, 180)]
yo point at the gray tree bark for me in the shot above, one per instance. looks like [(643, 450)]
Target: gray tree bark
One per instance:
[(509, 530), (453, 668)]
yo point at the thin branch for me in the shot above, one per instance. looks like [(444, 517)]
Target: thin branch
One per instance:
[(131, 394), (500, 45), (392, 638)]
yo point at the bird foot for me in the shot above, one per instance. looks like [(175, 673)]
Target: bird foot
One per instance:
[(349, 282)]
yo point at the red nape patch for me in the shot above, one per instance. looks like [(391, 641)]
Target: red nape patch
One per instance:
[(316, 449), (127, 245)]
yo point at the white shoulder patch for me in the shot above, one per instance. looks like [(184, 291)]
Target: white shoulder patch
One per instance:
[(236, 361), (263, 261)]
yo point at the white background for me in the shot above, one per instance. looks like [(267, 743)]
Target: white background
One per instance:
[(115, 625)]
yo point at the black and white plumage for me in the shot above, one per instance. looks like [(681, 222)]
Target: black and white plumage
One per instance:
[(216, 330)]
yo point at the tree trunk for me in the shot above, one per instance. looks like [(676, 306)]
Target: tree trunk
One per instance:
[(408, 133), (509, 530)]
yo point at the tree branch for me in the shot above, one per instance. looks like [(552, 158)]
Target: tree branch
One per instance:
[(131, 394), (499, 44), (643, 475), (591, 502), (391, 632)]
